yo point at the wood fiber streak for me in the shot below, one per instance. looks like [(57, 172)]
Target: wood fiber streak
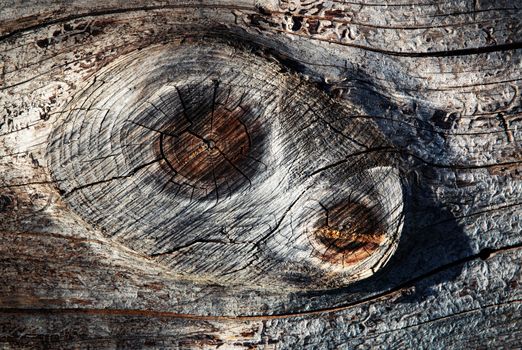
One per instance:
[(183, 175)]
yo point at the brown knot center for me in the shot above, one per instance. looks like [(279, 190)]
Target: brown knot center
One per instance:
[(212, 151), (348, 234)]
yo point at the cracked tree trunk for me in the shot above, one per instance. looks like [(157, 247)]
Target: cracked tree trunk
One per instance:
[(429, 90)]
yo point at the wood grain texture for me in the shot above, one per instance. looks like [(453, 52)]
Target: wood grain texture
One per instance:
[(430, 88)]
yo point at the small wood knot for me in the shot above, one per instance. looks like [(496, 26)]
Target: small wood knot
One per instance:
[(348, 234)]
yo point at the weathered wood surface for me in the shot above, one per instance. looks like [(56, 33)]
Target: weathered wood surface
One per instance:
[(429, 88)]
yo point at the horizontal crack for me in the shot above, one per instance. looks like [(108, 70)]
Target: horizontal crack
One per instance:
[(199, 240), (115, 11), (445, 53), (345, 160), (405, 152), (169, 314), (130, 174), (463, 166)]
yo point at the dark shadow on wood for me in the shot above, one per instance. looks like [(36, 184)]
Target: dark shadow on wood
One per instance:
[(432, 250), (433, 247)]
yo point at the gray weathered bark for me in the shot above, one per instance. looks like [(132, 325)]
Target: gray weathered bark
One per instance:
[(181, 175)]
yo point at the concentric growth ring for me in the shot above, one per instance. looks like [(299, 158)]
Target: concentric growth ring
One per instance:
[(204, 156)]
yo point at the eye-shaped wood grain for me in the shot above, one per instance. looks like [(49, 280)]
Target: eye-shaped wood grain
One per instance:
[(443, 82), (200, 157)]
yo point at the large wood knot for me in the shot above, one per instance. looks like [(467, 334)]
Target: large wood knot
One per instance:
[(211, 161)]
